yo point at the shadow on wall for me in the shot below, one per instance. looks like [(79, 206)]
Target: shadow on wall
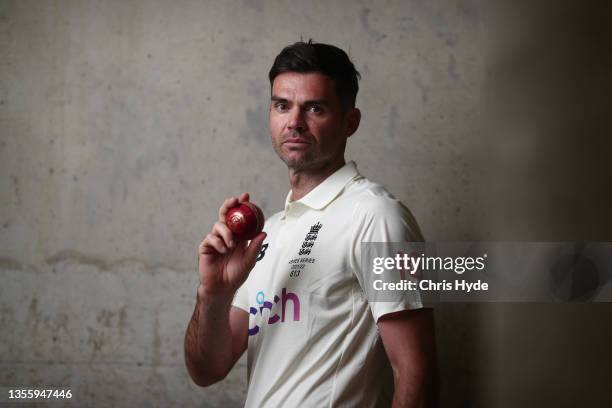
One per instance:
[(548, 138), (550, 78)]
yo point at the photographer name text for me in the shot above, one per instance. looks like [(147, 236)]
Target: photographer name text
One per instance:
[(430, 285)]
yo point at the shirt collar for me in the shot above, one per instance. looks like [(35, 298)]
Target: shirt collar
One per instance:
[(324, 193)]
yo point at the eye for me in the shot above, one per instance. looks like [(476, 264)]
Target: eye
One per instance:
[(280, 106), (315, 109)]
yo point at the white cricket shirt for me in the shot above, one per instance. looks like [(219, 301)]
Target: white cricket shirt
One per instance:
[(313, 339)]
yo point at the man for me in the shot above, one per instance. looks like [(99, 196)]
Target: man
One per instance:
[(294, 296)]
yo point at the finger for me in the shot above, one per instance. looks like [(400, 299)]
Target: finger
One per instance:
[(227, 204), (213, 242), (221, 229), (243, 197), (254, 247), (204, 247)]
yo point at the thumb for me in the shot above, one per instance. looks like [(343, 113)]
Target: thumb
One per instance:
[(254, 247)]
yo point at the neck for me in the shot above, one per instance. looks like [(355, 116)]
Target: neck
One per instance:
[(303, 181)]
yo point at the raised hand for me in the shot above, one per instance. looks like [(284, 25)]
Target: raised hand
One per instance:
[(224, 262)]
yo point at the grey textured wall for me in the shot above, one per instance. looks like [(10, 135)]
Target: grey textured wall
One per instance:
[(124, 124)]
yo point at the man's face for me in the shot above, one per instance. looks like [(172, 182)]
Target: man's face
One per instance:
[(307, 124)]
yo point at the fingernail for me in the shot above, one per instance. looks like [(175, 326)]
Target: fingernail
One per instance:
[(231, 243)]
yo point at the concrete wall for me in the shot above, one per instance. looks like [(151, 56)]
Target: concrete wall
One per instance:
[(124, 124)]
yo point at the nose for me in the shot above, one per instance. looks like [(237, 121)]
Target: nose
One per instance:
[(296, 120)]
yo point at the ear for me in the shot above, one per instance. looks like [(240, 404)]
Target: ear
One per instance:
[(353, 118)]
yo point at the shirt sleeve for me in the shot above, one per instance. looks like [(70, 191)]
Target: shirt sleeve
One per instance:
[(241, 297), (382, 219)]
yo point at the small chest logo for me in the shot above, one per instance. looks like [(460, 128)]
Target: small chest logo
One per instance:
[(310, 239), (299, 263), (262, 252)]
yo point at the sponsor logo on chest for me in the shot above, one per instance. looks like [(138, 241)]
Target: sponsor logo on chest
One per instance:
[(287, 303)]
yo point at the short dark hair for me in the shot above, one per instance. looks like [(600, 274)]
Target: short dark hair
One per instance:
[(324, 58)]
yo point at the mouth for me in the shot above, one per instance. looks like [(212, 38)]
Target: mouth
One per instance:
[(296, 142)]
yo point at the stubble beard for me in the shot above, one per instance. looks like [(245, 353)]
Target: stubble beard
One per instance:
[(313, 159), (308, 161)]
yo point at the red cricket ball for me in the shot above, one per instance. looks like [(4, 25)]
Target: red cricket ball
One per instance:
[(245, 220)]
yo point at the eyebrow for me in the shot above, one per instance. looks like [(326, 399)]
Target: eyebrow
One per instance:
[(310, 102)]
